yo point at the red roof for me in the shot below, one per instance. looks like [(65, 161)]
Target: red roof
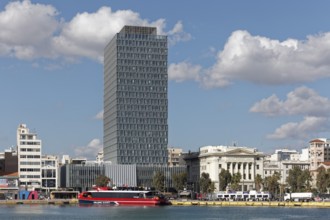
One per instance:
[(327, 163), (316, 140), (11, 174)]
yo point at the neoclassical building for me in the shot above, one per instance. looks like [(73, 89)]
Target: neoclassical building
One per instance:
[(246, 161)]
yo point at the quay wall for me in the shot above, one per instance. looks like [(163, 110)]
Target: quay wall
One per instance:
[(41, 202), (182, 203), (250, 203)]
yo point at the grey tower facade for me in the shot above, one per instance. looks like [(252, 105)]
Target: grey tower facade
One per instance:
[(135, 97)]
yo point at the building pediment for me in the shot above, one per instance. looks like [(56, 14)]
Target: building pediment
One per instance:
[(239, 152), (230, 152)]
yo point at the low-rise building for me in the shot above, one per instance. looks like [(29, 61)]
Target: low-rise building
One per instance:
[(8, 162), (192, 163), (82, 177), (49, 172), (282, 161), (174, 155), (246, 161)]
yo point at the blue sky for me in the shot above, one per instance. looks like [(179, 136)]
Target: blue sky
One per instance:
[(254, 73)]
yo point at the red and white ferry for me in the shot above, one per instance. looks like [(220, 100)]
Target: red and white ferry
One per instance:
[(122, 197)]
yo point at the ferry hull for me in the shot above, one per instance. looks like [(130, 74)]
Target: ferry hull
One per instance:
[(122, 197), (122, 202), (91, 202)]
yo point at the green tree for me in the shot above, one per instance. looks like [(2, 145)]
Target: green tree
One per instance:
[(235, 180), (258, 182), (158, 181), (272, 184), (205, 182), (323, 179), (224, 179), (298, 179), (179, 181), (102, 181), (211, 188), (308, 180)]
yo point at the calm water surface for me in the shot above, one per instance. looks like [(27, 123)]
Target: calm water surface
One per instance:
[(50, 212)]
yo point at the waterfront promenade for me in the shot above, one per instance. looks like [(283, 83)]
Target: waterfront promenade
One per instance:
[(183, 203)]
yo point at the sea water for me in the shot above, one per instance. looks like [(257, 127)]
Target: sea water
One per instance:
[(66, 212)]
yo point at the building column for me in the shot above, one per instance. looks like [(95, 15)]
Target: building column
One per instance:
[(252, 170), (244, 170)]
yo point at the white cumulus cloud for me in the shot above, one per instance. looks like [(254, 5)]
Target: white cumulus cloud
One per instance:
[(263, 60), (99, 116), (31, 31), (183, 71), (27, 30), (90, 150), (303, 101), (306, 129), (177, 34)]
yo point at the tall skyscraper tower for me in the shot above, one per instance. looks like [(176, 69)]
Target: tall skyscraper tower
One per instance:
[(135, 97)]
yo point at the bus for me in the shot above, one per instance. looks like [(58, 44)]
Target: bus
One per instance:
[(243, 196)]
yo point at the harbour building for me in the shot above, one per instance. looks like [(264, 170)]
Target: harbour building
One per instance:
[(135, 97)]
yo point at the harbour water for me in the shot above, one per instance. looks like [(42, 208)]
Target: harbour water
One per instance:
[(66, 212)]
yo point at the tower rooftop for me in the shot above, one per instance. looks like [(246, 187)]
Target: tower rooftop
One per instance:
[(139, 30)]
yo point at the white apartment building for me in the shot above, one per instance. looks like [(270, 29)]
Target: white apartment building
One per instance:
[(100, 157), (49, 172), (246, 161), (65, 159), (283, 154), (282, 161), (29, 158), (173, 156)]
